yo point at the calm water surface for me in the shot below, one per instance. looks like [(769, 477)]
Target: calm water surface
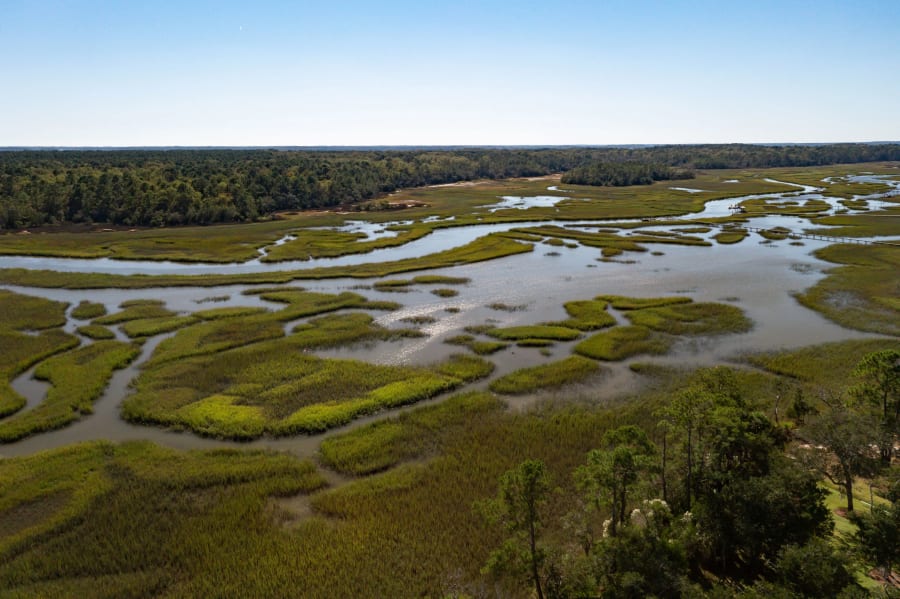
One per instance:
[(760, 278)]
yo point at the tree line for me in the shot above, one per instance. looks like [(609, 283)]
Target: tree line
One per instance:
[(175, 187), (726, 502), (619, 174)]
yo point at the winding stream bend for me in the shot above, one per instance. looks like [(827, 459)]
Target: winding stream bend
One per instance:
[(757, 275)]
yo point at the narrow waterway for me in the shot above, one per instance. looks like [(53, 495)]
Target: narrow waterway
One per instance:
[(757, 275)]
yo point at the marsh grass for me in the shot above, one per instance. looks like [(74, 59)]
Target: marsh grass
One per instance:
[(692, 319), (445, 292), (775, 234), (409, 436), (136, 310), (621, 342), (217, 243), (95, 332), (441, 280), (29, 313), (862, 292), (274, 387), (829, 365), (620, 302), (481, 348), (148, 327), (731, 236), (489, 247), (400, 285), (407, 531), (763, 206), (552, 375), (587, 315), (549, 332), (876, 223), (325, 243), (535, 343), (215, 336), (420, 319), (228, 312), (77, 378), (503, 307), (19, 351), (465, 368), (91, 532), (86, 310)]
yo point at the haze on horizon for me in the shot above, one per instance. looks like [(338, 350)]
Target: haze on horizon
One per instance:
[(281, 73)]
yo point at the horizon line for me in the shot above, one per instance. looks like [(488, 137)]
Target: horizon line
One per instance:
[(341, 147)]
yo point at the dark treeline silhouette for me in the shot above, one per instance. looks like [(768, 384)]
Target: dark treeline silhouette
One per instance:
[(202, 186), (618, 174)]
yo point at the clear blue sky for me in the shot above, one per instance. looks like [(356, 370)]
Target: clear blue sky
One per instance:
[(92, 72)]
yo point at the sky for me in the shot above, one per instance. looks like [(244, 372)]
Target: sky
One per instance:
[(396, 72)]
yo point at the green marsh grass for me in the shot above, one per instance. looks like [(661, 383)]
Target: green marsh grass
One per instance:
[(300, 303), (231, 528), (489, 247), (275, 387), (324, 243), (828, 365), (411, 435), (217, 243), (731, 236), (18, 350), (95, 332), (445, 292), (228, 312), (621, 342), (587, 315), (88, 527), (552, 375), (217, 335), (86, 310), (775, 234), (881, 223), (620, 302), (29, 313), (77, 378), (763, 206), (692, 319), (136, 310), (400, 285), (535, 343), (440, 280), (18, 353), (862, 292), (503, 307), (419, 319), (482, 348), (550, 332), (148, 327)]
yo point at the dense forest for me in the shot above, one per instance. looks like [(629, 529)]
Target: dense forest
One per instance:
[(729, 504), (619, 174), (173, 187)]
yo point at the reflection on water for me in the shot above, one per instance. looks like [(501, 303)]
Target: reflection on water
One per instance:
[(524, 203), (760, 279)]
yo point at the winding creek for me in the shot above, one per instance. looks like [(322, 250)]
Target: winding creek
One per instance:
[(757, 275)]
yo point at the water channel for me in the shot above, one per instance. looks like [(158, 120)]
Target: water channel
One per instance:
[(757, 275)]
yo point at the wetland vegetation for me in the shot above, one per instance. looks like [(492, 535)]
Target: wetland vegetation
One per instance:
[(349, 440)]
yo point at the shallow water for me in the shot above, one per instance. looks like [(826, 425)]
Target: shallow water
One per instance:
[(758, 277)]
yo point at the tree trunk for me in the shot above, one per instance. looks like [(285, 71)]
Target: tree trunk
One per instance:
[(665, 491), (690, 467), (848, 489), (534, 564)]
